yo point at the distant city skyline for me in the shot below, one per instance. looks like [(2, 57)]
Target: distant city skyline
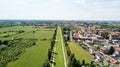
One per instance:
[(60, 9)]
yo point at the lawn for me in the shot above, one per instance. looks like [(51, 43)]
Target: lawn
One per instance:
[(35, 56), (79, 52)]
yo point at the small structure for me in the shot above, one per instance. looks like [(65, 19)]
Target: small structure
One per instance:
[(114, 36)]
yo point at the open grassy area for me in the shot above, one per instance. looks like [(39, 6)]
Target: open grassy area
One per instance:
[(59, 59), (8, 33), (79, 52), (14, 30), (34, 56)]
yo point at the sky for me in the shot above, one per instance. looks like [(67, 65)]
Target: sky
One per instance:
[(60, 9)]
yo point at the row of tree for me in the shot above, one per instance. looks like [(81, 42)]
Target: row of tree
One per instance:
[(50, 50)]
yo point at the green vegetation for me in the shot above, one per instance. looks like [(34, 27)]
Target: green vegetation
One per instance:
[(110, 27), (33, 57), (15, 32), (21, 49), (79, 52), (110, 51), (106, 36), (14, 50), (59, 60), (36, 53), (46, 64)]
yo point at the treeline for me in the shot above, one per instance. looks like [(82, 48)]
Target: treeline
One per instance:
[(50, 50), (9, 23), (13, 49), (110, 27), (5, 24)]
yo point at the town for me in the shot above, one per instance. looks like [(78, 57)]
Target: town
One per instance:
[(101, 41)]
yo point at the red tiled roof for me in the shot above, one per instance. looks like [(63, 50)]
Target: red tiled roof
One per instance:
[(103, 48), (118, 49), (109, 58)]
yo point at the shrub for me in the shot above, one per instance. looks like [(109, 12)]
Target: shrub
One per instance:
[(34, 43), (46, 64)]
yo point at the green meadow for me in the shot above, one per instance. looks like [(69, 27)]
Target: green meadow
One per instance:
[(33, 56), (79, 52)]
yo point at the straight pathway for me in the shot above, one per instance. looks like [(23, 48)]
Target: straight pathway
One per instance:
[(59, 56), (65, 65)]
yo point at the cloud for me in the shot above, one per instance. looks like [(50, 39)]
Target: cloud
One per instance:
[(60, 9), (82, 2)]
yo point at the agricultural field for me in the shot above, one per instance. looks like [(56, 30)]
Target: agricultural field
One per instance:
[(79, 52), (27, 48)]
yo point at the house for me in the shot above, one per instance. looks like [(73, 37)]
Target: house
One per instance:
[(103, 49), (93, 49), (108, 59), (97, 36), (76, 36), (101, 32), (114, 36), (117, 51), (114, 45)]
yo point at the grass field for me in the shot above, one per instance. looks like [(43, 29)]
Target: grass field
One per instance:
[(16, 28), (34, 56), (79, 52), (59, 59), (9, 33), (27, 29)]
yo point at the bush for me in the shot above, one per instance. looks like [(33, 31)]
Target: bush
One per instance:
[(0, 42), (21, 31), (83, 62), (34, 43), (49, 54), (6, 36), (46, 64), (5, 42), (110, 51)]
